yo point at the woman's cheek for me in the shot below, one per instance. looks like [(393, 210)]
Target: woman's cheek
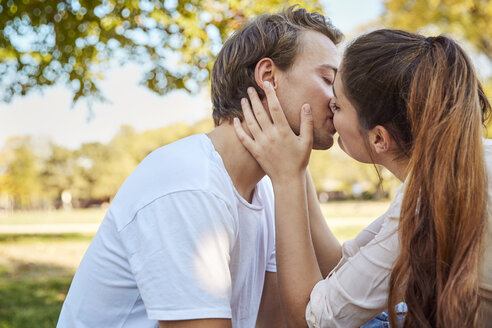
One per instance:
[(340, 144)]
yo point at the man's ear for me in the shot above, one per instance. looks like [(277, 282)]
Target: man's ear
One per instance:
[(380, 139), (265, 71)]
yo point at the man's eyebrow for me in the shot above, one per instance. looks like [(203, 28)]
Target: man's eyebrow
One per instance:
[(328, 66)]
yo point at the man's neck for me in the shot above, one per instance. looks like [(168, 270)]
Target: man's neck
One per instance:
[(244, 170)]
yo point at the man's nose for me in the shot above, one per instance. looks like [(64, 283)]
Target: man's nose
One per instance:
[(331, 94)]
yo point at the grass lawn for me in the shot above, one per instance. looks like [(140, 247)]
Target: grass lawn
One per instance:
[(35, 273), (354, 209), (92, 215), (36, 270)]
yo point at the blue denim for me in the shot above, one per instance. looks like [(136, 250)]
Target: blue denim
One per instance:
[(382, 320)]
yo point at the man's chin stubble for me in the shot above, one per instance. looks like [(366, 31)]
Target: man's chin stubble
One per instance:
[(323, 145)]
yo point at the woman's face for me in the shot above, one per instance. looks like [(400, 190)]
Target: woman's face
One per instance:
[(345, 120)]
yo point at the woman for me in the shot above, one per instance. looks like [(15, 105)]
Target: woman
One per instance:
[(415, 106)]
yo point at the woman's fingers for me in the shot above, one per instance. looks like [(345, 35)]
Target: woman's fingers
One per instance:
[(279, 151), (306, 129), (245, 139), (276, 111), (250, 119), (258, 109)]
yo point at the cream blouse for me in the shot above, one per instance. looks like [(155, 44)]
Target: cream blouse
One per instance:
[(357, 288)]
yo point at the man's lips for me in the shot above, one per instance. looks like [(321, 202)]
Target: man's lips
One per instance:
[(330, 114), (333, 129)]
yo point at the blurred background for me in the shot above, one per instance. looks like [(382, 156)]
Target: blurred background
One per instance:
[(89, 88)]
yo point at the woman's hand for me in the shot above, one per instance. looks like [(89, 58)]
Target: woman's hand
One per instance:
[(281, 153)]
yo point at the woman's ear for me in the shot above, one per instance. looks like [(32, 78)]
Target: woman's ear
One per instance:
[(265, 71), (380, 139)]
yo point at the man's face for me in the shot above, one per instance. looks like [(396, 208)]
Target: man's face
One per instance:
[(346, 122), (310, 80)]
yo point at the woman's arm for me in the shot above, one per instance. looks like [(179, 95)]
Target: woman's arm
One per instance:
[(297, 267), (328, 249)]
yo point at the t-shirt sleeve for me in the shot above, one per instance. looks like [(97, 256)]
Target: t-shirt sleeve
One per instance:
[(269, 202), (272, 261), (179, 251)]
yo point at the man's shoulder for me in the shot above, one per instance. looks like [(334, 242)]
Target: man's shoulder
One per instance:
[(175, 165), (188, 164), (184, 151)]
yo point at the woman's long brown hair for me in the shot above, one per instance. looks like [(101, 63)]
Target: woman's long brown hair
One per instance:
[(425, 92)]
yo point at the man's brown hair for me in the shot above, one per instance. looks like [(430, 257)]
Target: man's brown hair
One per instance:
[(275, 36)]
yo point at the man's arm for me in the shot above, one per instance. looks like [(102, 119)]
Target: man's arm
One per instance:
[(200, 323), (326, 246), (270, 313)]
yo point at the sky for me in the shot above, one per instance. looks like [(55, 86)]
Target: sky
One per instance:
[(50, 114)]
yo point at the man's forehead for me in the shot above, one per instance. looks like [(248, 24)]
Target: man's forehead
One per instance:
[(319, 50)]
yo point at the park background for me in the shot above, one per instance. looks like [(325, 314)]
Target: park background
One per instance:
[(89, 88)]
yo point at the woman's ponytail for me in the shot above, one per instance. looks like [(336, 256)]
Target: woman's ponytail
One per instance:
[(443, 214)]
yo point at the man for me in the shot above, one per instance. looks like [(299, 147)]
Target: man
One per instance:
[(189, 238)]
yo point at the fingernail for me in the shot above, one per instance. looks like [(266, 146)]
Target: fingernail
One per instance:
[(244, 101), (307, 109), (235, 120), (250, 90), (266, 84)]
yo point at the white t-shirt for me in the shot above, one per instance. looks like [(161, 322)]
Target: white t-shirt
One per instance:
[(357, 289), (178, 242)]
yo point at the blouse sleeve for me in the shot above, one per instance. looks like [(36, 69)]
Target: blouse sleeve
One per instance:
[(351, 247), (357, 289)]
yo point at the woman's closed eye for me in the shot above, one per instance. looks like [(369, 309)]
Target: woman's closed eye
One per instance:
[(334, 107)]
